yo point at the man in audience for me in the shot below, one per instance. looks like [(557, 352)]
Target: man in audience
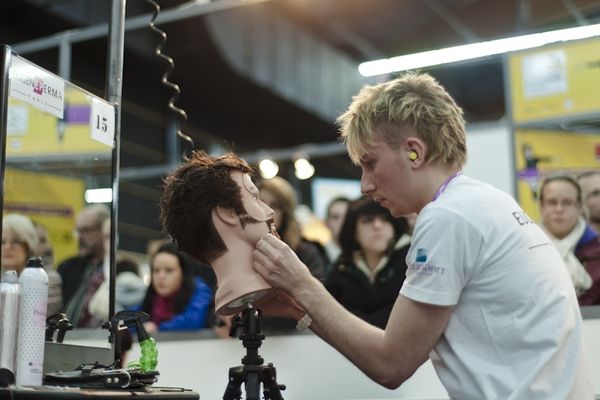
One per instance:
[(590, 193), (83, 274), (336, 212)]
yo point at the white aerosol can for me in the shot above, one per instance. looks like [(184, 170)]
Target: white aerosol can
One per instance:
[(10, 297), (32, 319)]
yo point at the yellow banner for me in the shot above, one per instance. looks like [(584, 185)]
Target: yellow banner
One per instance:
[(50, 200), (541, 152), (555, 81)]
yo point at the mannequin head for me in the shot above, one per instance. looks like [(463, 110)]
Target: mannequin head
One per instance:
[(211, 208)]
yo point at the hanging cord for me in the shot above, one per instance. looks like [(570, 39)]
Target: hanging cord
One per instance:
[(180, 114)]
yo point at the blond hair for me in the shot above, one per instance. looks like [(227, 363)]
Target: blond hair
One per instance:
[(413, 101), (23, 229)]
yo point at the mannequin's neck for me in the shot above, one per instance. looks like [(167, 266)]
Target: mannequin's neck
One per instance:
[(238, 255)]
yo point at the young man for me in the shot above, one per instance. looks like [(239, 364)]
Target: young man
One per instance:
[(486, 297)]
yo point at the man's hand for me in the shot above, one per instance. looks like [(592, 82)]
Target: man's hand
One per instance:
[(279, 265)]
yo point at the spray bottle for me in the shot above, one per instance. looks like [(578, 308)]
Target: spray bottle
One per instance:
[(32, 317), (10, 297)]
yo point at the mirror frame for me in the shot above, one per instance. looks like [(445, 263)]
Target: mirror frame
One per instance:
[(58, 355)]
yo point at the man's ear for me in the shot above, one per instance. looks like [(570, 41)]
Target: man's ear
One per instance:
[(227, 215), (416, 150)]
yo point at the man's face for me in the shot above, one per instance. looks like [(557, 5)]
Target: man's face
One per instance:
[(385, 177), (258, 219), (590, 193), (89, 233), (560, 208), (335, 218)]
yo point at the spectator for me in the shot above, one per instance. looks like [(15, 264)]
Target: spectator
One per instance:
[(368, 275), (199, 269), (278, 194), (83, 274), (129, 286), (175, 299), (129, 290), (336, 212), (45, 251), (19, 242), (590, 193), (577, 243)]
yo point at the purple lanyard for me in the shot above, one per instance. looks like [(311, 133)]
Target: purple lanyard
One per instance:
[(445, 184)]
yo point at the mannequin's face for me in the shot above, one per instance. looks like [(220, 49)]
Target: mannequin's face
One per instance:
[(269, 198), (258, 220)]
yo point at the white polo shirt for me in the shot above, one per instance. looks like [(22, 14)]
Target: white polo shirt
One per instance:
[(516, 330)]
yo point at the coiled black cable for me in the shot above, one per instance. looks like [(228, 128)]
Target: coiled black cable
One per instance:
[(180, 114)]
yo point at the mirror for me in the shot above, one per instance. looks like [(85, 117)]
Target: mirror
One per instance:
[(58, 147)]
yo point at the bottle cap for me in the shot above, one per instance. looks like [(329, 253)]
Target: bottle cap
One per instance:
[(34, 262), (10, 276)]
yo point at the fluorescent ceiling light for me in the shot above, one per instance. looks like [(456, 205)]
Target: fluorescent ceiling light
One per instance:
[(98, 195), (475, 50)]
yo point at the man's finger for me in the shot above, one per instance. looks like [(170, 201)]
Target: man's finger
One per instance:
[(272, 240), (260, 257)]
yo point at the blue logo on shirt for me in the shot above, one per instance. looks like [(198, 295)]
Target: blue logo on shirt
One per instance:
[(421, 255)]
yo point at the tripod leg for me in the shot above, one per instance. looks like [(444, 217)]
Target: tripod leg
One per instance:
[(272, 389), (233, 390)]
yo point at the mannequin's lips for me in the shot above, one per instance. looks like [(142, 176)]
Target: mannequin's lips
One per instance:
[(272, 229)]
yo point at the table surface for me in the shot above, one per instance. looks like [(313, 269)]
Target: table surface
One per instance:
[(59, 393)]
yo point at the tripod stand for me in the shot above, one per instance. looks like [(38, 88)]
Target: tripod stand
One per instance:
[(252, 371)]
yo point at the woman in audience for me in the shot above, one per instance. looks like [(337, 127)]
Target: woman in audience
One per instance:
[(278, 194), (579, 245), (175, 300), (19, 243), (368, 275)]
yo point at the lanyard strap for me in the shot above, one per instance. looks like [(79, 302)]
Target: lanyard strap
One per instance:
[(445, 184)]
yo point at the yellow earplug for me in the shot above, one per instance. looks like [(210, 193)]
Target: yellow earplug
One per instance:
[(413, 155)]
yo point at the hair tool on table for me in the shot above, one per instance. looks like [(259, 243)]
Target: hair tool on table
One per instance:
[(57, 323), (137, 374)]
